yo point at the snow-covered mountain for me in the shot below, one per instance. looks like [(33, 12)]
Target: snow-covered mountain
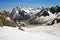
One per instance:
[(47, 16), (37, 15), (41, 16), (23, 12)]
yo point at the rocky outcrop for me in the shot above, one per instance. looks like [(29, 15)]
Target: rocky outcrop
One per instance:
[(5, 20), (45, 17), (18, 14)]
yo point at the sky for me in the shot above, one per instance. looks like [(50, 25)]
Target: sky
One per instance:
[(9, 4)]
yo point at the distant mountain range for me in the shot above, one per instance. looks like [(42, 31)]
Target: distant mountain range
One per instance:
[(35, 14), (23, 13)]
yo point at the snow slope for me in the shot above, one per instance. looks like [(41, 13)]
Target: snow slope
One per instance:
[(52, 29), (9, 33)]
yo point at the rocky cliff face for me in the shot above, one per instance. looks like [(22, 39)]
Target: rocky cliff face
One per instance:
[(19, 14), (5, 20)]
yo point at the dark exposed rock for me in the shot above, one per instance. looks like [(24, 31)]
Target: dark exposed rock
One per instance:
[(20, 15)]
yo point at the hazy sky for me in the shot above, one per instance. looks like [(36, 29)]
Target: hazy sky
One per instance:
[(9, 4)]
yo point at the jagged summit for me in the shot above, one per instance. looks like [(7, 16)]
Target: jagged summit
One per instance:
[(35, 14)]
